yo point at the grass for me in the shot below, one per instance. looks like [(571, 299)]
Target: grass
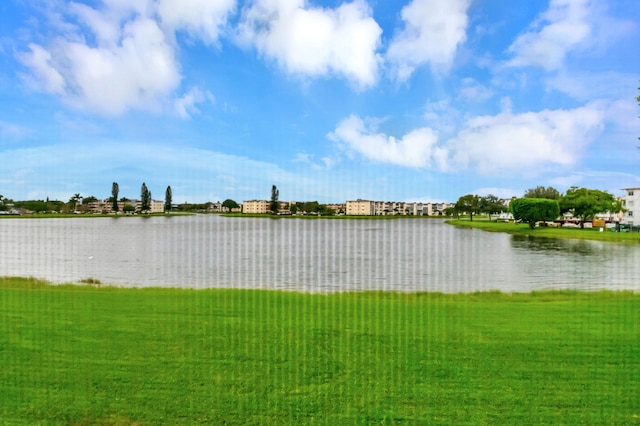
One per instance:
[(548, 232), (89, 355)]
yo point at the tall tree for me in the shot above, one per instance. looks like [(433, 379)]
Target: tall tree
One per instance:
[(585, 203), (168, 199), (115, 189), (549, 193), (468, 204), (532, 210), (274, 205), (145, 198)]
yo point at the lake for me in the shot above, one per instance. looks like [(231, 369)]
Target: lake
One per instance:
[(204, 251)]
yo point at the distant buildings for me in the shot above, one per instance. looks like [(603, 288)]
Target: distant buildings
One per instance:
[(106, 206), (392, 208)]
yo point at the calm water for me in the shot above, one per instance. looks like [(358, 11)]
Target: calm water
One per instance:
[(309, 255)]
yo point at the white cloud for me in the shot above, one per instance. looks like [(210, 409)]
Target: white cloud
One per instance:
[(311, 41), (433, 31), (473, 91), (185, 106), (44, 74), (566, 26), (110, 60), (202, 19), (416, 149), (526, 142)]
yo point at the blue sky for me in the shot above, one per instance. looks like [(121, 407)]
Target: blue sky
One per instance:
[(415, 100)]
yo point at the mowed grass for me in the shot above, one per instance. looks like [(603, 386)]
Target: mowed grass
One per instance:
[(87, 355), (549, 232)]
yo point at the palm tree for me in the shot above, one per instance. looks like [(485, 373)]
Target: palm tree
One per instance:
[(76, 197)]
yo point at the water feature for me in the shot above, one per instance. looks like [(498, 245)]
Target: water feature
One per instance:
[(307, 255)]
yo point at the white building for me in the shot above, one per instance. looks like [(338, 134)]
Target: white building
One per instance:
[(631, 202)]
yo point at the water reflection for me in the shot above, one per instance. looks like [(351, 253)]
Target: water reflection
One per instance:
[(580, 247)]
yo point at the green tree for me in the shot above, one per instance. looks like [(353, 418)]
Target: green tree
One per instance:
[(74, 201), (451, 211), (230, 204), (468, 204), (541, 192), (115, 189), (491, 204), (585, 203), (128, 208), (274, 205), (145, 198), (168, 199), (89, 199), (532, 210)]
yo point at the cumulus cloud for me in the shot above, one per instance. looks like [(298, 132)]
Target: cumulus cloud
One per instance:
[(312, 41), (492, 145), (526, 141), (112, 59), (562, 28), (415, 149), (202, 19), (433, 31)]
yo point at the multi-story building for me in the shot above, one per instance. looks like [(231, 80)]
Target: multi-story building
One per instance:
[(631, 202), (360, 208), (106, 206), (255, 206), (389, 208)]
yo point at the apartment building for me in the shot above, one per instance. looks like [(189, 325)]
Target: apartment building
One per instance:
[(106, 206), (390, 208), (631, 202), (360, 208), (255, 206)]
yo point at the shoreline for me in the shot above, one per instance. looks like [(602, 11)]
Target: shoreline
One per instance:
[(89, 284), (548, 232)]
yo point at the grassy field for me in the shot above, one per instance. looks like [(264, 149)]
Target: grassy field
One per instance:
[(548, 232), (86, 355)]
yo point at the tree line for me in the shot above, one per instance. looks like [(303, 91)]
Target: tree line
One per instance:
[(79, 203), (542, 204)]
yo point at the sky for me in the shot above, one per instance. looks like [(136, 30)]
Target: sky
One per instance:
[(413, 100)]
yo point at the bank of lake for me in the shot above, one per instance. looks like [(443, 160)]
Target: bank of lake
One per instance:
[(547, 232)]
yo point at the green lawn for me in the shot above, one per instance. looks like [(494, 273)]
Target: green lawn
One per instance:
[(87, 355), (548, 232)]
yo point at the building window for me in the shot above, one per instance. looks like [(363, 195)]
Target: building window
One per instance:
[(630, 213), (630, 192)]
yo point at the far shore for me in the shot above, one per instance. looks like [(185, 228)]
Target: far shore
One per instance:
[(594, 234)]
